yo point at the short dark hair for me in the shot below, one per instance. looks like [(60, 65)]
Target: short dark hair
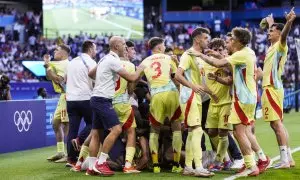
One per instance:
[(168, 49), (40, 90), (87, 45), (65, 48), (153, 42), (130, 44), (216, 43), (278, 26), (199, 31), (229, 34), (243, 35)]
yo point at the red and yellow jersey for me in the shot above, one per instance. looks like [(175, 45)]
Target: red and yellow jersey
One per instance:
[(121, 94), (194, 72), (220, 90), (274, 65), (59, 68), (157, 69), (243, 64)]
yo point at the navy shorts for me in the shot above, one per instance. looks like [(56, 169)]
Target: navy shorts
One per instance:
[(104, 115)]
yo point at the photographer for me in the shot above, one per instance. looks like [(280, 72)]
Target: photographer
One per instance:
[(4, 88)]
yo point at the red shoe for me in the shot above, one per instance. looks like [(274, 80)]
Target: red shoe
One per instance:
[(242, 169), (103, 169), (91, 173), (254, 172), (248, 172), (130, 170), (263, 165)]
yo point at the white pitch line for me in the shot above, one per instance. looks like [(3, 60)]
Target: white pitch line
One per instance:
[(272, 160), (122, 27)]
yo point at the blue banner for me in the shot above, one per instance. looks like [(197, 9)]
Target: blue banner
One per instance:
[(50, 109), (22, 125)]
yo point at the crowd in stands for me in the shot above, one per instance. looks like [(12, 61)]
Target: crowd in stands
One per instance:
[(177, 36)]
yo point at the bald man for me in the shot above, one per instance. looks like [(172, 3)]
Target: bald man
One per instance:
[(104, 116)]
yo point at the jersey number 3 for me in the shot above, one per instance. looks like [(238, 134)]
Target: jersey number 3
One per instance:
[(156, 66)]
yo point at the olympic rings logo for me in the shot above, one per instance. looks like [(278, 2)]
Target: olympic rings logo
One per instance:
[(23, 120)]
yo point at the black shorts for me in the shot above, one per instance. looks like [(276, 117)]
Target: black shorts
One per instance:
[(104, 115)]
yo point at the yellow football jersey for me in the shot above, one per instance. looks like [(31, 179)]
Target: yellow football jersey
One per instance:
[(193, 71), (121, 84), (243, 65), (220, 90), (274, 65), (60, 68), (158, 68)]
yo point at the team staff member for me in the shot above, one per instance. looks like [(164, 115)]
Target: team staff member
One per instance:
[(79, 91)]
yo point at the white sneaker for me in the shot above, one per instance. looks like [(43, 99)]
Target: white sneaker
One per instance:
[(203, 173), (237, 164), (188, 171), (282, 165)]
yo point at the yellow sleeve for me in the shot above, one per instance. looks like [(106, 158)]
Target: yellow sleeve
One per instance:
[(173, 66), (185, 61), (236, 58), (52, 67), (282, 47)]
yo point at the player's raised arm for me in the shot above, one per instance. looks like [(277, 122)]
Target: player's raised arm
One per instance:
[(50, 75), (290, 17)]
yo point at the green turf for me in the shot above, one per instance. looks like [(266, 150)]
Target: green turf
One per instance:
[(61, 21), (32, 164)]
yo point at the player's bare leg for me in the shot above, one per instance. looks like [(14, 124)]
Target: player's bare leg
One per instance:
[(290, 157), (281, 137), (143, 161), (219, 138), (245, 146), (263, 161), (130, 151), (65, 131), (59, 135), (176, 145), (153, 144)]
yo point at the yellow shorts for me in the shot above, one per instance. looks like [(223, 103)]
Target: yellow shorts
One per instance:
[(165, 105), (217, 117), (192, 112), (242, 113), (60, 113), (126, 115), (272, 103)]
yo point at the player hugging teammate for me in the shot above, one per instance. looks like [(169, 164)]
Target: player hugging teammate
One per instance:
[(226, 71)]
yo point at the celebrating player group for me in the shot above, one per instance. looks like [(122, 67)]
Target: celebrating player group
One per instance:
[(222, 72)]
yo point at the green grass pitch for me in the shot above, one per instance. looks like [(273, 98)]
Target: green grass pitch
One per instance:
[(69, 21), (32, 164)]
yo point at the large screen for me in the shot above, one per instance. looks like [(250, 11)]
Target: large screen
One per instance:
[(36, 67), (101, 17)]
